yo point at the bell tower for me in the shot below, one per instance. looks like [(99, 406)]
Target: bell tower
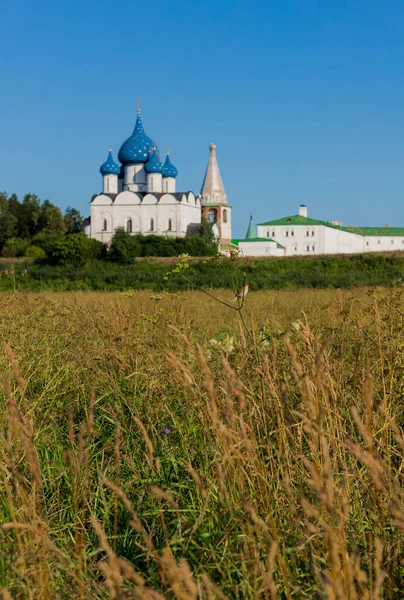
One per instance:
[(215, 208)]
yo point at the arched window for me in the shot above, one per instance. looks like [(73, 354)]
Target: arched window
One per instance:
[(151, 184), (151, 224), (129, 226), (170, 225), (166, 186), (104, 225), (225, 216), (107, 186), (212, 215)]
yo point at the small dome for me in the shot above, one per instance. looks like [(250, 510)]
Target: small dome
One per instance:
[(154, 165), (109, 167), (136, 148), (169, 170)]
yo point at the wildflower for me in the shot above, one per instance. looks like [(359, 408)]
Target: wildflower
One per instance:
[(167, 430)]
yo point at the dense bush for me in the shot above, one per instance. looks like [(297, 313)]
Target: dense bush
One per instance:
[(75, 250), (46, 241), (14, 247), (35, 252), (124, 248)]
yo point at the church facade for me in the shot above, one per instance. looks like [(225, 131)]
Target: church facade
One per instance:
[(140, 195)]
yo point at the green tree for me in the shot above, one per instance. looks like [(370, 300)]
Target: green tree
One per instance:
[(206, 233), (74, 250), (51, 219), (124, 248), (30, 213), (8, 222), (73, 220)]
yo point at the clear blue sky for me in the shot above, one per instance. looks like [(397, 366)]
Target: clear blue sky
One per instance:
[(304, 99)]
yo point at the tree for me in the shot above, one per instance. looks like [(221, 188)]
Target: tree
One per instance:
[(51, 219), (206, 233), (29, 216), (124, 248), (73, 220), (75, 250), (8, 222)]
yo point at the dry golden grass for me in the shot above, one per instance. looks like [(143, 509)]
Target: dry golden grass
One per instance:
[(150, 450)]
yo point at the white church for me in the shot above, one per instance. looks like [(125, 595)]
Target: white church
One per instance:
[(140, 195)]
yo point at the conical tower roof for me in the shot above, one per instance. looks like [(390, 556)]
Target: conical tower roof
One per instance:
[(212, 188), (251, 231)]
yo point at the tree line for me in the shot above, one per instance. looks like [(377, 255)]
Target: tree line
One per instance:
[(40, 230), (22, 220)]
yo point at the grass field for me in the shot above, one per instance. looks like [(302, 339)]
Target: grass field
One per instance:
[(152, 448)]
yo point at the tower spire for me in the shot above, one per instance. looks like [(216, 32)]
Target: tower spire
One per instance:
[(212, 188), (252, 230)]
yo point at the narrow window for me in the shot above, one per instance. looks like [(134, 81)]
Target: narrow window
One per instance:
[(166, 186), (104, 225), (287, 233), (313, 248), (273, 234), (268, 235), (151, 184), (378, 241), (225, 216), (392, 242), (308, 248), (107, 186), (367, 243), (312, 233), (170, 225), (129, 226), (292, 233), (151, 224), (307, 234), (212, 215)]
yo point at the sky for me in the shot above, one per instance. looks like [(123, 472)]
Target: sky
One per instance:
[(303, 98)]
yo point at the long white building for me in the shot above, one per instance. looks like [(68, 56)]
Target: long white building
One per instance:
[(300, 235)]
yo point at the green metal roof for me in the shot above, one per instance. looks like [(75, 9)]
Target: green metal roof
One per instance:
[(364, 231), (251, 231), (375, 231), (294, 220), (257, 239)]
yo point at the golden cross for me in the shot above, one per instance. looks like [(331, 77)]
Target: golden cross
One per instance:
[(110, 146), (138, 105)]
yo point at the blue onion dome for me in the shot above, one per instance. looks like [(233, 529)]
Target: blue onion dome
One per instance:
[(154, 165), (169, 170), (109, 167), (136, 148)]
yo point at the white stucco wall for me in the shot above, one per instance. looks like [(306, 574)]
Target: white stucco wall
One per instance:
[(226, 227), (169, 185), (321, 239), (260, 249), (110, 184), (135, 178), (130, 205), (155, 182)]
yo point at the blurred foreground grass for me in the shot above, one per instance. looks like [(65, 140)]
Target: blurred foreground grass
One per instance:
[(150, 450)]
